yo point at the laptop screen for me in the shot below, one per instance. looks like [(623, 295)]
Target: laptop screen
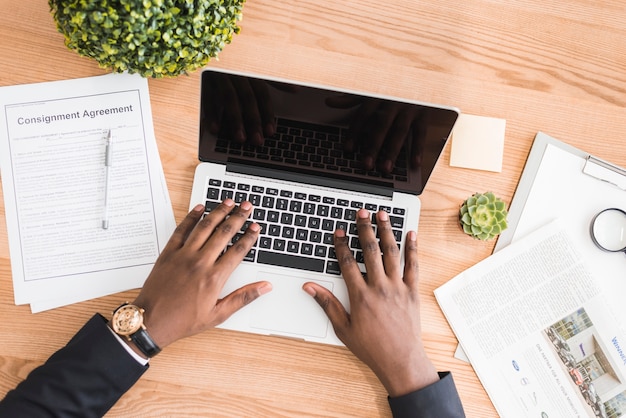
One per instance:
[(321, 132)]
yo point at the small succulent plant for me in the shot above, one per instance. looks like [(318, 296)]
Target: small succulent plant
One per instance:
[(483, 216), (155, 38)]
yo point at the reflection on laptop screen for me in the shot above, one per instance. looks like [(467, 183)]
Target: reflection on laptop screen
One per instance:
[(321, 132)]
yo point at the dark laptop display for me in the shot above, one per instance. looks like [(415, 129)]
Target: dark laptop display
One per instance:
[(295, 130)]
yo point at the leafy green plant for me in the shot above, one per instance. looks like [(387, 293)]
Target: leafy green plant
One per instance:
[(155, 38), (483, 216)]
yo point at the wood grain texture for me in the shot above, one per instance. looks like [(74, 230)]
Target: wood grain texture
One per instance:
[(558, 68)]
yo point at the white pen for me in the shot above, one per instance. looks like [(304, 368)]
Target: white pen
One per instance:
[(108, 159)]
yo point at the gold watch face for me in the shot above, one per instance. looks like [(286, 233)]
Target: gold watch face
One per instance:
[(127, 319)]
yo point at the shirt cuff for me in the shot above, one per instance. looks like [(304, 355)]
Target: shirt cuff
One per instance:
[(140, 360)]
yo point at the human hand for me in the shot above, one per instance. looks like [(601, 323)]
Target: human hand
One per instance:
[(181, 294), (383, 327)]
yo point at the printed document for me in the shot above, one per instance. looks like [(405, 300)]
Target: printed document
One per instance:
[(56, 152), (535, 325)]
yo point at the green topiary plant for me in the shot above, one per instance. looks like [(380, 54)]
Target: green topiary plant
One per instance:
[(483, 216), (155, 38)]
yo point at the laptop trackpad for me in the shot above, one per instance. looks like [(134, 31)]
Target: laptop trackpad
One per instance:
[(288, 308)]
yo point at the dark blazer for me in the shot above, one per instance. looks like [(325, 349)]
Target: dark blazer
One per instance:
[(87, 376)]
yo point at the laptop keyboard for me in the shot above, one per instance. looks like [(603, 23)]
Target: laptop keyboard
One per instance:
[(297, 228), (311, 146)]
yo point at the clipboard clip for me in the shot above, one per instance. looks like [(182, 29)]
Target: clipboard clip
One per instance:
[(605, 171)]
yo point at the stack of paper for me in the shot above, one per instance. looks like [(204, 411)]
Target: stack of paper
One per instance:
[(540, 320), (53, 156), (537, 329)]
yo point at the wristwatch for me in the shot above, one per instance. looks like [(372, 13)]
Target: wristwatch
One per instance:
[(127, 321)]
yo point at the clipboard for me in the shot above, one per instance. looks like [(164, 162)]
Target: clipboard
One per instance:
[(607, 173), (562, 181)]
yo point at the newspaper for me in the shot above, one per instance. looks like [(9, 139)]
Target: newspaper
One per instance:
[(535, 326)]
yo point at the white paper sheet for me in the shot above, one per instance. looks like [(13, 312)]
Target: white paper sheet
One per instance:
[(53, 145), (502, 310), (562, 191)]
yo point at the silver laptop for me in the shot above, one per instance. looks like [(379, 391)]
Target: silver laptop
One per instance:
[(308, 158)]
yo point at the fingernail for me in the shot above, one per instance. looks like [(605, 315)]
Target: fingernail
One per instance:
[(383, 215), (309, 290), (245, 205), (265, 288), (412, 236), (254, 227), (363, 214), (228, 202), (340, 233), (198, 208)]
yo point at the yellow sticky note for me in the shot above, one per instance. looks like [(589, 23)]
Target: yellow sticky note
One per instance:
[(478, 143)]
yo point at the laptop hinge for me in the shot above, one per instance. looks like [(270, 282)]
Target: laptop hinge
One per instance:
[(301, 178)]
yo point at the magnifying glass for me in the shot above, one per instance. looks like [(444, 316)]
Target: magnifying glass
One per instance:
[(608, 230)]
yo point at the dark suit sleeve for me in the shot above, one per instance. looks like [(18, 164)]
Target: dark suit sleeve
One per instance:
[(439, 400), (83, 379)]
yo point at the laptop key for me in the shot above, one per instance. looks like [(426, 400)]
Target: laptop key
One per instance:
[(290, 261), (300, 220), (320, 251), (309, 208), (209, 206), (273, 216), (279, 244), (250, 256), (314, 223), (341, 225), (240, 197), (336, 212), (255, 199), (288, 232), (396, 222), (213, 193), (268, 202), (286, 218), (332, 267), (258, 214), (293, 247), (315, 236), (322, 210), (349, 215), (274, 230), (281, 204), (295, 206), (328, 225)]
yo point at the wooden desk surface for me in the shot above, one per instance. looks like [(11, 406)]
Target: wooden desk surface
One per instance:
[(559, 68)]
